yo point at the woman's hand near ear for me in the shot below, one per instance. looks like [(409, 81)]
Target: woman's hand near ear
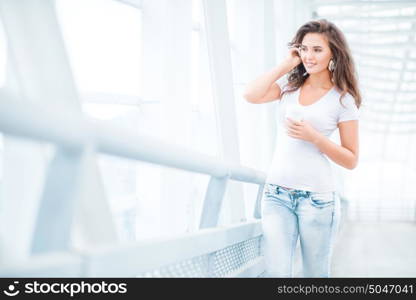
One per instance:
[(264, 88)]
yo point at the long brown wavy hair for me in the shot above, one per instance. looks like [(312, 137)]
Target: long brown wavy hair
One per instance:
[(343, 76)]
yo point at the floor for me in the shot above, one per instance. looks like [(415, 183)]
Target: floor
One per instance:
[(384, 249)]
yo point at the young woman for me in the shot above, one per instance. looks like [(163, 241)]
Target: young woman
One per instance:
[(319, 96)]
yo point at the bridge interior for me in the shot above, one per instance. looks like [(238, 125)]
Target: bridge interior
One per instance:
[(127, 149)]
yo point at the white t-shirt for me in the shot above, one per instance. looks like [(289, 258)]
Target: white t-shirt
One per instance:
[(300, 164)]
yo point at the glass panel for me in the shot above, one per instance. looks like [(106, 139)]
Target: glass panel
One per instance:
[(3, 55), (3, 70), (103, 41), (149, 201)]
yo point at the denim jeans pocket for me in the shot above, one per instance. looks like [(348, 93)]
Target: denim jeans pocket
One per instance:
[(322, 199)]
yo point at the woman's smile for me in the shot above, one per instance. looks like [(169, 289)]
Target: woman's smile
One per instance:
[(309, 65)]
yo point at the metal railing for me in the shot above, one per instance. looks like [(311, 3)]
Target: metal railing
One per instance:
[(203, 249)]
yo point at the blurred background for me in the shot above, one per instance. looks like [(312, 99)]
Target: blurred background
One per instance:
[(127, 149)]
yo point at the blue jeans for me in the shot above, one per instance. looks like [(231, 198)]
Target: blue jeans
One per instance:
[(291, 214)]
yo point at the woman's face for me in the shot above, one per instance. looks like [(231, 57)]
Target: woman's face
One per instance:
[(315, 53)]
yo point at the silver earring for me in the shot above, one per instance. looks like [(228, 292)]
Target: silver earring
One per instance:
[(331, 66)]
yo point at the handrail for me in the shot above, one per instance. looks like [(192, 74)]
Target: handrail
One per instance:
[(134, 258), (71, 130)]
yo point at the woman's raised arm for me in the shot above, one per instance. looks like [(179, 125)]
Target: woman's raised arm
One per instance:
[(264, 88)]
